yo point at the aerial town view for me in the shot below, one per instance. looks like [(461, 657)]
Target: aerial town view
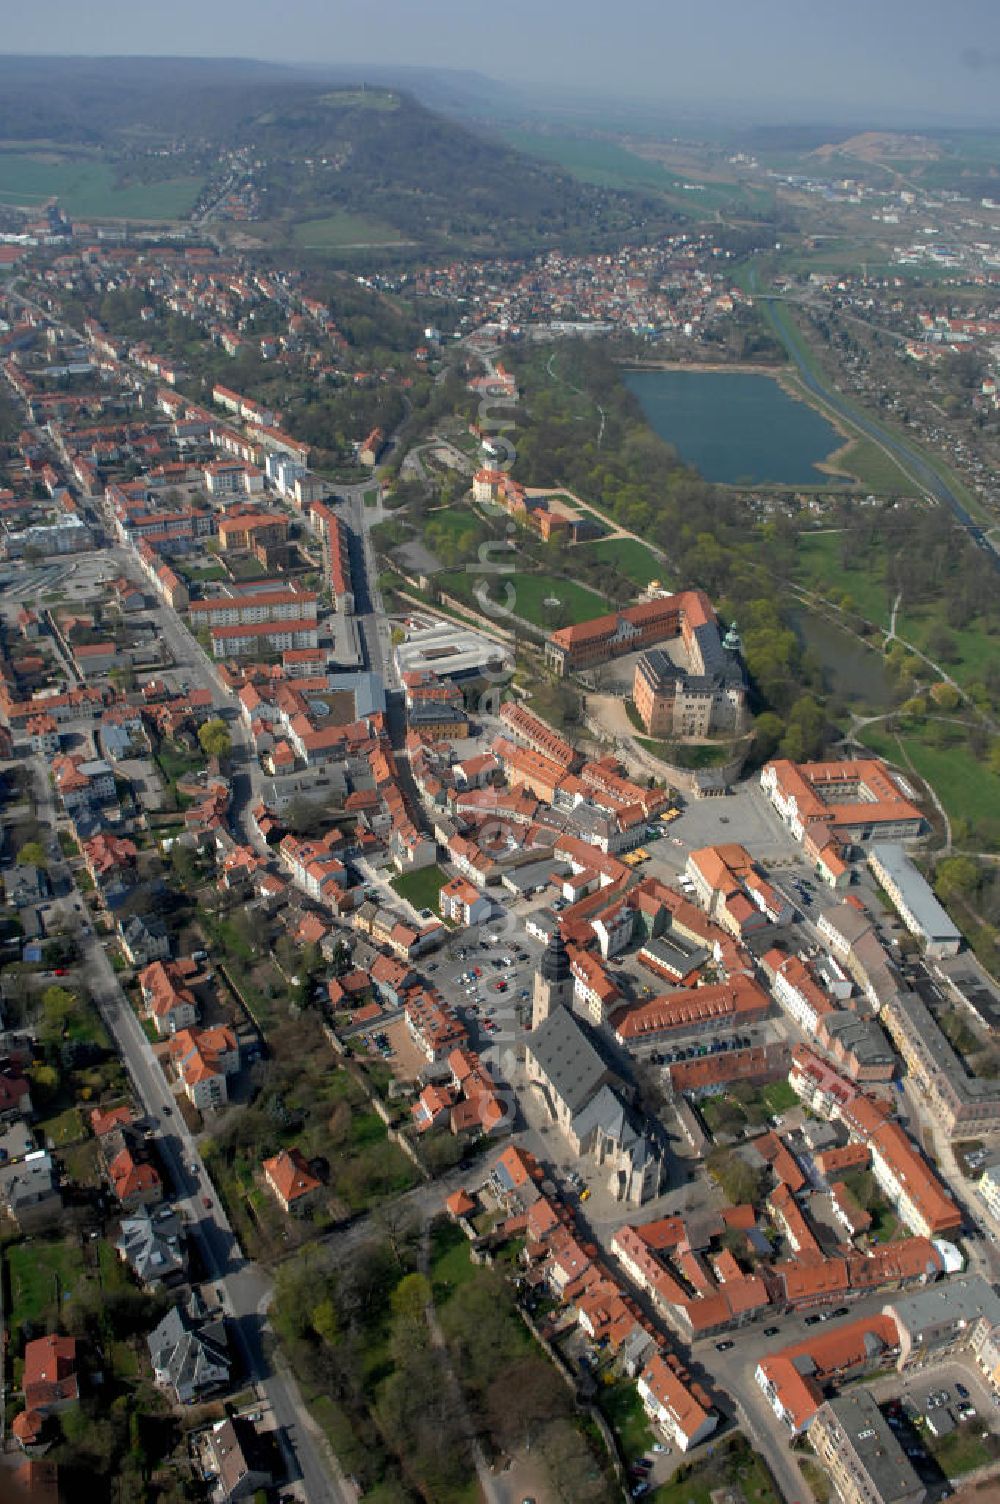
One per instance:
[(500, 754)]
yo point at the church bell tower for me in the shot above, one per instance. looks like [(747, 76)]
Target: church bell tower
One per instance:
[(553, 982)]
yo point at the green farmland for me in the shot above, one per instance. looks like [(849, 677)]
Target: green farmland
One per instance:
[(87, 187), (341, 230)]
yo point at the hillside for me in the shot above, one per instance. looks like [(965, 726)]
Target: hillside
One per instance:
[(369, 164)]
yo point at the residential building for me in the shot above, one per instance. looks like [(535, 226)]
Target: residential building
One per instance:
[(903, 1174), (855, 1443), (681, 1410), (289, 1178), (151, 1245), (190, 1352), (462, 903), (989, 1187), (50, 1384), (793, 1377), (236, 1460), (144, 939), (203, 1059), (938, 1322), (29, 1191), (169, 1001)]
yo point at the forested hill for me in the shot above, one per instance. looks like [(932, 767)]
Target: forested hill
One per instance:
[(324, 150)]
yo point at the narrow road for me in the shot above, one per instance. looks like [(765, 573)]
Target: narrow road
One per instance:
[(245, 1289)]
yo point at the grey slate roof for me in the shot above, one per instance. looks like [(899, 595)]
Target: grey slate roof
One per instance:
[(568, 1059), (859, 1418), (189, 1354)]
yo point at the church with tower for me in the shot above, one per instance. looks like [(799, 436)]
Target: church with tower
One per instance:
[(585, 1093), (553, 981)]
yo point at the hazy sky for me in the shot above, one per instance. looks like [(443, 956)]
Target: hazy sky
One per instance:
[(926, 58)]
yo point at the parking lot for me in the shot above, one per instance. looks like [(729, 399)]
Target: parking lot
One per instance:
[(494, 1005)]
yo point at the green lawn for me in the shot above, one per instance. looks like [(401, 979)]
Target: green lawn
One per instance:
[(623, 1409), (86, 186), (963, 1449), (577, 602), (65, 1128), (731, 1463), (976, 649), (779, 1097), (451, 1266), (966, 788), (874, 469), (681, 755), (885, 1223), (819, 568), (530, 593), (421, 888), (343, 229), (173, 762), (43, 1275), (629, 557)]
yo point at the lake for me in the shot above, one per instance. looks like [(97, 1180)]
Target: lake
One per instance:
[(735, 427)]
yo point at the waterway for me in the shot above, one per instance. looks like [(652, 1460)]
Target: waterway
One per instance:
[(736, 428), (851, 672)]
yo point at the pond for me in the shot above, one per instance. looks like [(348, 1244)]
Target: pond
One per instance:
[(736, 428), (852, 672)]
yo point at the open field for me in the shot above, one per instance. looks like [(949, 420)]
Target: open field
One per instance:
[(87, 187), (421, 888), (342, 229), (629, 556), (611, 165)]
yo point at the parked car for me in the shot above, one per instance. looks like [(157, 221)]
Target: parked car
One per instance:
[(723, 1347)]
